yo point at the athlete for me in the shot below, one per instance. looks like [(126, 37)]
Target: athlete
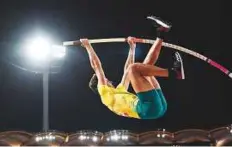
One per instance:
[(148, 102)]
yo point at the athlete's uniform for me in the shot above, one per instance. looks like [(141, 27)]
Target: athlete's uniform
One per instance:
[(146, 105)]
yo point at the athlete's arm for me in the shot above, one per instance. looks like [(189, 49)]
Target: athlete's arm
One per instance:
[(130, 60), (95, 62)]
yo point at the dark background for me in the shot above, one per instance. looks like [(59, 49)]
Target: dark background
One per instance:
[(201, 101)]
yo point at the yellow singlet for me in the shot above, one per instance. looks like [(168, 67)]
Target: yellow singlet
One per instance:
[(119, 100)]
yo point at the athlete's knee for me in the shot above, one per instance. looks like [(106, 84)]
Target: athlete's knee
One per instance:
[(134, 68)]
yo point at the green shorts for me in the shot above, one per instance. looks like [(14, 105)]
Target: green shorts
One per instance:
[(151, 105)]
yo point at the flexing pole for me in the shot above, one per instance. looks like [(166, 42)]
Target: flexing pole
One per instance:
[(148, 41)]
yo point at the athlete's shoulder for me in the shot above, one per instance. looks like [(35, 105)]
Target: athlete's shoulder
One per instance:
[(105, 89), (121, 87)]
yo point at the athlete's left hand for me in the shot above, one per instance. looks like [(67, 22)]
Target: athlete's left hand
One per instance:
[(85, 42)]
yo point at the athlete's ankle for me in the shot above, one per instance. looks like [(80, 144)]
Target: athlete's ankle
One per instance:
[(161, 34)]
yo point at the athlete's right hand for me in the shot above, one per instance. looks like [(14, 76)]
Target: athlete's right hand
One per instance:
[(131, 42), (85, 42)]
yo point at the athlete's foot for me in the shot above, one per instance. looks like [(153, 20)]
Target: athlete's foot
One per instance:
[(160, 24), (178, 66)]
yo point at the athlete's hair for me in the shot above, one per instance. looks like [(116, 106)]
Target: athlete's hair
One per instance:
[(93, 83)]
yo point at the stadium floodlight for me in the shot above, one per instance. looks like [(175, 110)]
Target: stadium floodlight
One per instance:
[(58, 51), (38, 49), (41, 49)]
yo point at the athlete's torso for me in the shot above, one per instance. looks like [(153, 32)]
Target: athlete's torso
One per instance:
[(119, 100)]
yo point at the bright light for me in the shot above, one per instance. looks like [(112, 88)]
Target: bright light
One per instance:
[(41, 49), (47, 137), (94, 138), (37, 139), (115, 137), (38, 49), (82, 137), (58, 51), (124, 137)]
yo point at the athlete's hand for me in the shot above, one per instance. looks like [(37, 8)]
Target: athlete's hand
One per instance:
[(131, 42), (85, 42)]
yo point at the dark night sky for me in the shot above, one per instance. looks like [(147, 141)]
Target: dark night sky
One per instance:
[(201, 101)]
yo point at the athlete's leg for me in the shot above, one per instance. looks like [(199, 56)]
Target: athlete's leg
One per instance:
[(150, 104), (138, 73), (152, 57), (150, 94), (145, 73), (154, 51)]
